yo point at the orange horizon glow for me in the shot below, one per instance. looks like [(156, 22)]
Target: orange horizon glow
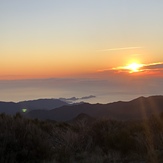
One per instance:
[(79, 69)]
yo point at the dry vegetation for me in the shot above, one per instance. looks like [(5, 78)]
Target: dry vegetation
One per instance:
[(101, 141)]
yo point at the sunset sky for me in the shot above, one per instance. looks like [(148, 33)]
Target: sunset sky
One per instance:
[(80, 39)]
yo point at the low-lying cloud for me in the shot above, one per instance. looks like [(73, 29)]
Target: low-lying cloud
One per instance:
[(74, 99), (146, 69), (153, 66)]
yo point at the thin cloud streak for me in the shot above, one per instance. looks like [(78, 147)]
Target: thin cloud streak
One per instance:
[(156, 65), (125, 48)]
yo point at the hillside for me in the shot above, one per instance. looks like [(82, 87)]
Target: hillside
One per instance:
[(136, 109), (46, 104)]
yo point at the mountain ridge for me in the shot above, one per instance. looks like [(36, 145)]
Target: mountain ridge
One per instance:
[(55, 109), (46, 104), (139, 108)]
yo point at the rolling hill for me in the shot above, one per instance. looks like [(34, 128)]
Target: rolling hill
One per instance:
[(58, 110), (46, 104), (139, 108)]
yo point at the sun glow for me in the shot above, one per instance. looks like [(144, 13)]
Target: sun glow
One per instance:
[(134, 67)]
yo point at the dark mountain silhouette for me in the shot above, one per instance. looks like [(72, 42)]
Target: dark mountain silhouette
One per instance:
[(9, 107), (46, 104), (83, 118), (55, 109), (136, 109)]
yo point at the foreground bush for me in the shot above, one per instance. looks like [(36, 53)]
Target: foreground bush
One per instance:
[(101, 141)]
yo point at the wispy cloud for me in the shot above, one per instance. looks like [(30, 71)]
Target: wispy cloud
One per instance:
[(74, 99), (124, 48), (153, 66)]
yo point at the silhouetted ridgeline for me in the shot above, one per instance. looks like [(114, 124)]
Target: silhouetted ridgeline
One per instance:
[(54, 109), (46, 104), (136, 109)]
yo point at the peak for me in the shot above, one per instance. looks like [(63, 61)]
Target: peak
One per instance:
[(82, 115), (147, 98)]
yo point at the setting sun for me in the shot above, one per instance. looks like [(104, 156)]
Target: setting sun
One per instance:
[(134, 67), (131, 68)]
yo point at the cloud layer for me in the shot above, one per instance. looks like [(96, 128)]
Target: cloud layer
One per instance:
[(145, 69), (74, 99), (153, 66)]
